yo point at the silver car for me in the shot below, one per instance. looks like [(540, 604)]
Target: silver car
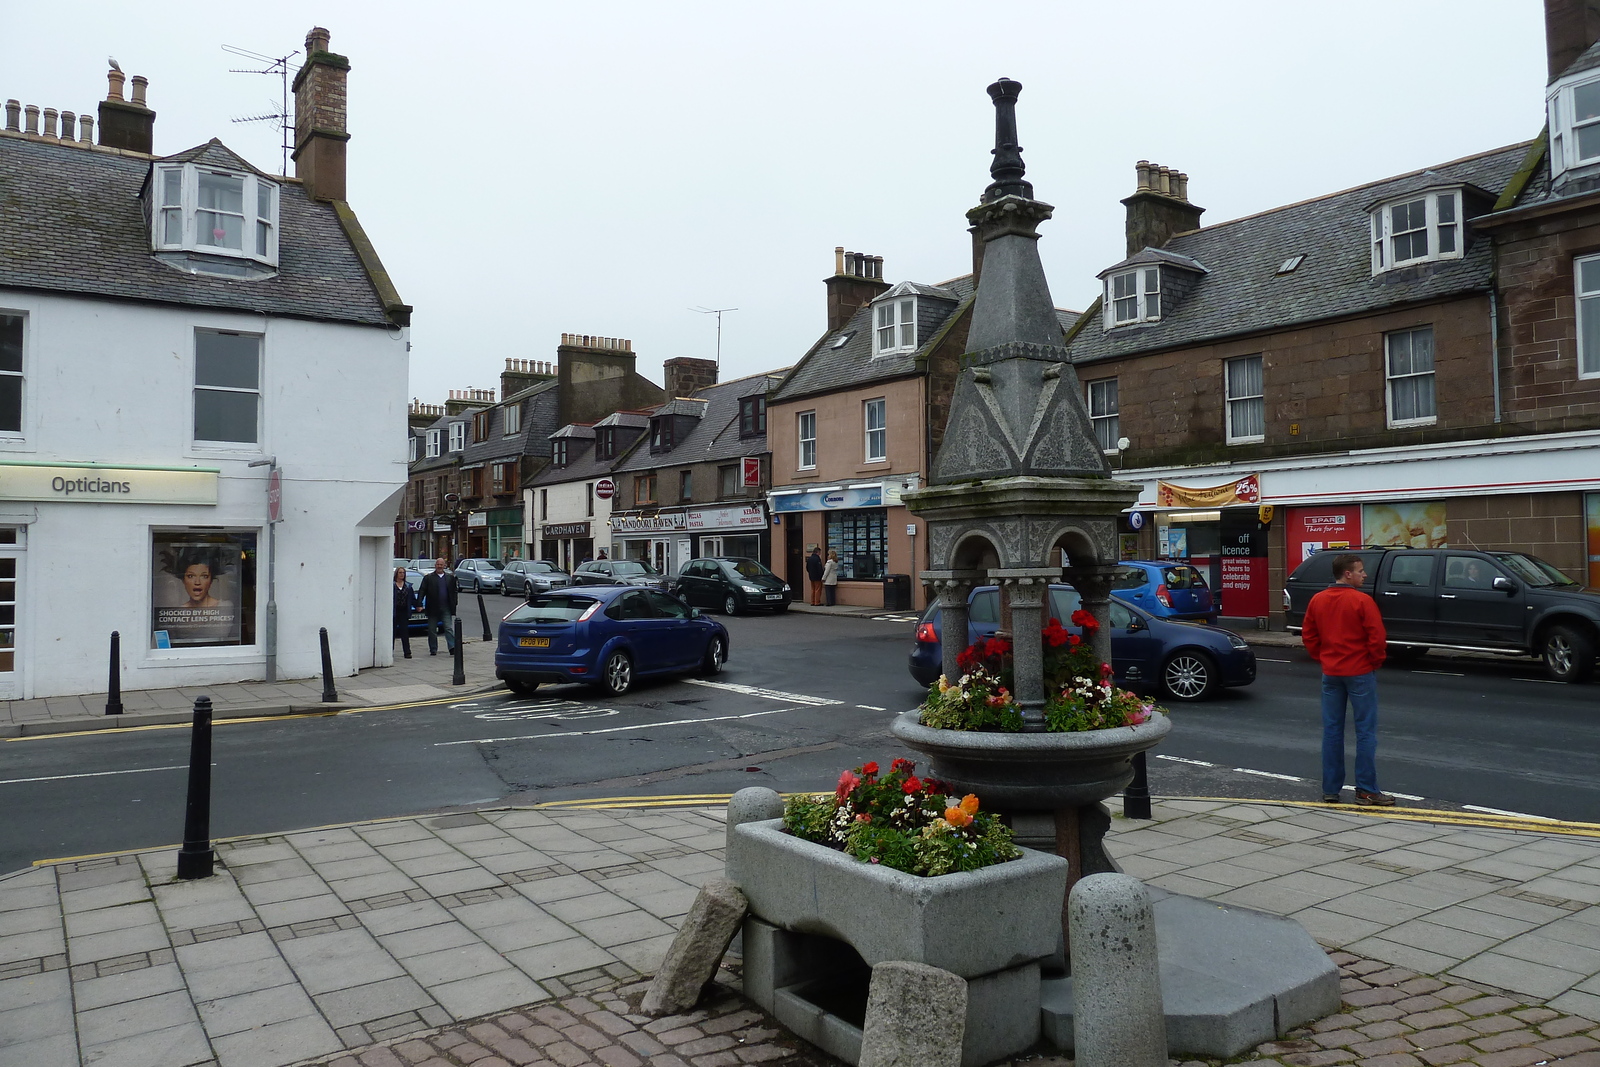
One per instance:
[(527, 576), (479, 575)]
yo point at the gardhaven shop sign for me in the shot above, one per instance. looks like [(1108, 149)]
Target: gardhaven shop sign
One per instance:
[(93, 484)]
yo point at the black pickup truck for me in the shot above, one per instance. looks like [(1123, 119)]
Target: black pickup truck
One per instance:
[(1478, 601)]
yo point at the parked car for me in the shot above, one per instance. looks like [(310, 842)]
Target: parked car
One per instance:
[(398, 563), (732, 584), (620, 572), (1165, 590), (523, 576), (479, 576), (424, 565), (1188, 660), (1470, 599), (607, 636), (419, 618)]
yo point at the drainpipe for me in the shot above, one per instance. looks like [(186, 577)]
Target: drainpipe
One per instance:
[(1494, 348)]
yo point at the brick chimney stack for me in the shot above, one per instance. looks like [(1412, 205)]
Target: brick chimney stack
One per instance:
[(857, 279), (1159, 207), (124, 123), (319, 119), (685, 374), (1570, 27)]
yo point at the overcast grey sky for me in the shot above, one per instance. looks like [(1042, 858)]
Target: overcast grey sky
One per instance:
[(527, 169)]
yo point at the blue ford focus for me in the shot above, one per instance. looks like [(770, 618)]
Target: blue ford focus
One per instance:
[(1187, 660), (605, 636)]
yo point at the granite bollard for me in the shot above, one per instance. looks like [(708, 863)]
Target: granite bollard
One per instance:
[(916, 1017), (716, 915), (1119, 1020)]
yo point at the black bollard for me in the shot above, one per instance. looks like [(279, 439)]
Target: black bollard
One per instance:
[(1136, 798), (329, 693), (460, 676), (196, 857), (488, 635), (114, 686)]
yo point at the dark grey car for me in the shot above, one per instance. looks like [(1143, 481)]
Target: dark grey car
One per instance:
[(620, 572)]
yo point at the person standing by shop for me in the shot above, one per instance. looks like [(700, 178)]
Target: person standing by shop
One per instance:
[(814, 572), (1344, 633), (439, 601), (405, 602), (830, 578)]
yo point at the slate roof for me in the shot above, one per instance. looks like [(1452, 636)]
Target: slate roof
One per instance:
[(1588, 61), (716, 436), (445, 458), (827, 368), (1243, 293), (71, 222), (582, 464)]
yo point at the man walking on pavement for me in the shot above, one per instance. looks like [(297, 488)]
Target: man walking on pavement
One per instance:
[(814, 572), (439, 601), (1344, 632)]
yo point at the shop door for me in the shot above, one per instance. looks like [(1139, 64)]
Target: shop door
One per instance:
[(10, 570), (685, 553), (794, 551), (659, 555), (711, 547)]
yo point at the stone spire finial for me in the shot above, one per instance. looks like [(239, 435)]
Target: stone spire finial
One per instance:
[(1007, 169)]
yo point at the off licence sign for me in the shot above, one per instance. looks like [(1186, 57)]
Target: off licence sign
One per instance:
[(605, 489)]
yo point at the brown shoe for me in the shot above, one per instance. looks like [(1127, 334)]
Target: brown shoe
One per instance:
[(1375, 800)]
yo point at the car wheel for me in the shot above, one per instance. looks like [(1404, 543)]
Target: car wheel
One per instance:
[(1189, 675), (730, 605), (616, 677), (716, 656), (520, 688), (1568, 654)]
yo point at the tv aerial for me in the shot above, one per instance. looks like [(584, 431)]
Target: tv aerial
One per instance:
[(281, 117), (718, 312)]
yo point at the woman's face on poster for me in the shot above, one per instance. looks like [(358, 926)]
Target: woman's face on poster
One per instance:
[(197, 581)]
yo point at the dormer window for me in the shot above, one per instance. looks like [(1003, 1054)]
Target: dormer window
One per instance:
[(1574, 113), (433, 443), (458, 436), (1134, 296), (752, 416), (1418, 229), (661, 434), (894, 326), (605, 442), (558, 452), (197, 208)]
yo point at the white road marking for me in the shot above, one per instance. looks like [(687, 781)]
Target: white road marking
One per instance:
[(613, 729), (95, 774), (1406, 796), (1268, 774), (1447, 674), (1502, 811), (1264, 659), (1180, 759), (1542, 681), (766, 694), (869, 707)]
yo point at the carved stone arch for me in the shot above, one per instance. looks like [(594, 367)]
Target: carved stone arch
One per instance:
[(975, 550), (1087, 542)]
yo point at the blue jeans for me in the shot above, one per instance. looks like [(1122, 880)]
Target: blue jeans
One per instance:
[(447, 624), (1361, 690)]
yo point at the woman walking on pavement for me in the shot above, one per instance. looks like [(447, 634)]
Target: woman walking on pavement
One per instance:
[(405, 602), (830, 577)]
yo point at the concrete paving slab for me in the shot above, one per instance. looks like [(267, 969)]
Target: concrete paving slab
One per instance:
[(338, 960), (560, 957), (1517, 975), (493, 991), (128, 986), (259, 1007), (412, 916), (374, 1000), (277, 1043), (34, 1009)]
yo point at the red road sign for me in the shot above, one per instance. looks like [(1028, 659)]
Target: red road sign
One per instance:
[(275, 496), (605, 489)]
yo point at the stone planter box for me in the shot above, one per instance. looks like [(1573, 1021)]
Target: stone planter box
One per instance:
[(1032, 772)]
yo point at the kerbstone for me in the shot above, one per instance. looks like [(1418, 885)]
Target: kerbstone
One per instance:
[(707, 930), (1119, 1020), (916, 1017)]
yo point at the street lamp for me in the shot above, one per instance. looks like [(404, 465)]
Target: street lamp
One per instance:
[(274, 516)]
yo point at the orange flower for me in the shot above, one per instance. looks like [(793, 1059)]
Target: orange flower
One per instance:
[(969, 804), (956, 817)]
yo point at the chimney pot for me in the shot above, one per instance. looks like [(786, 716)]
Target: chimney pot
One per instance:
[(140, 84), (86, 126), (838, 259), (1164, 180), (317, 40), (115, 78), (1180, 186), (50, 123), (14, 116), (1142, 170), (877, 266), (69, 126), (32, 113), (1153, 220)]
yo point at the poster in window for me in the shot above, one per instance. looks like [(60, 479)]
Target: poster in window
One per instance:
[(1412, 525), (196, 591), (1592, 511), (1310, 530)]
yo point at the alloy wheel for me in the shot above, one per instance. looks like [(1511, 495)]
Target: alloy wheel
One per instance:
[(1187, 676)]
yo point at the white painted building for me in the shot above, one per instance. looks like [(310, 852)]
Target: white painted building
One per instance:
[(172, 327)]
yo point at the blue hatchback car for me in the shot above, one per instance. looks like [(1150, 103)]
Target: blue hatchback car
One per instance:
[(1189, 661), (606, 636), (1165, 590)]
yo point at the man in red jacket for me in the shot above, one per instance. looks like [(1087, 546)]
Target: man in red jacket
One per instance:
[(1344, 632)]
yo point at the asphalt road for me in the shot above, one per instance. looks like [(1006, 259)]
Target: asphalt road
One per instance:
[(803, 697)]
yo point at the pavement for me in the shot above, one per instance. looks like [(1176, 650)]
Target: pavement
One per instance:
[(524, 936)]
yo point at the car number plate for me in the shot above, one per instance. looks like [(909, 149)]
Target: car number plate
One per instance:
[(774, 596), (534, 642)]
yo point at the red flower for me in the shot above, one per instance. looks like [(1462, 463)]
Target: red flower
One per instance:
[(1073, 641), (869, 768), (1054, 635), (902, 765), (1084, 619), (911, 785), (847, 782)]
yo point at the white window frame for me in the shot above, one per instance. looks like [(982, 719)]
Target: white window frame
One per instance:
[(435, 439), (875, 424), (806, 428), (458, 436), (411, 448), (1390, 378), (1588, 305), (560, 453), (512, 420), (1140, 299), (1101, 398), (894, 326), (210, 387), (259, 231), (20, 375), (1562, 111), (1442, 224), (1233, 404)]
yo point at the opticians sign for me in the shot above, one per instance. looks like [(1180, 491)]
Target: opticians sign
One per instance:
[(90, 483)]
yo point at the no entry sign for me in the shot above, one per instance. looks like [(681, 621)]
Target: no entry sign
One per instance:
[(605, 489)]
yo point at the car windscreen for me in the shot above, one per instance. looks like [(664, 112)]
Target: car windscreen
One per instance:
[(750, 569), (1532, 569), (491, 564), (631, 568), (554, 607)]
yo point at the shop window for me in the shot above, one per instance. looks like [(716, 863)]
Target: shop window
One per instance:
[(227, 387), (861, 539), (203, 588), (1246, 412), (1409, 370), (1103, 413), (10, 373)]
